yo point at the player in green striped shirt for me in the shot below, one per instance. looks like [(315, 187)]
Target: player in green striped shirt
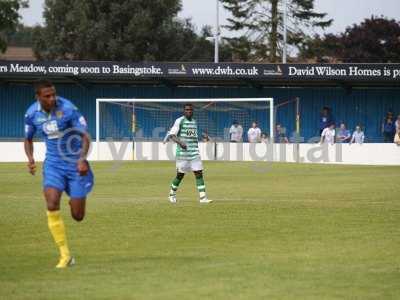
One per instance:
[(184, 133)]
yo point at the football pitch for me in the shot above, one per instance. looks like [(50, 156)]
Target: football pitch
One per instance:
[(280, 231)]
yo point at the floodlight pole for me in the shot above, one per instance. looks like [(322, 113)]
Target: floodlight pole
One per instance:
[(284, 56), (216, 35)]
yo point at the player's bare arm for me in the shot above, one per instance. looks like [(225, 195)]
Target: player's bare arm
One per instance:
[(28, 146), (82, 165), (178, 141)]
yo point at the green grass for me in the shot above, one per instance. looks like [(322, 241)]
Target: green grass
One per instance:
[(285, 232)]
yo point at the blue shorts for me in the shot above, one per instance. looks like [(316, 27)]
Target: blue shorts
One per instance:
[(68, 180)]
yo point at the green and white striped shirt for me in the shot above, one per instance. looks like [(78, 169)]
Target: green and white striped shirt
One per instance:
[(186, 131)]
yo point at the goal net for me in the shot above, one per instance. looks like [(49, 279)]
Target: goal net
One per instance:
[(148, 120)]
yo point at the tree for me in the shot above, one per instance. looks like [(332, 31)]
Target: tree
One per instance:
[(22, 37), (9, 19), (327, 48), (202, 49), (375, 40), (132, 30), (262, 24)]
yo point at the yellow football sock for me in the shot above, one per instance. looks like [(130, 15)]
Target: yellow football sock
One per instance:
[(57, 229)]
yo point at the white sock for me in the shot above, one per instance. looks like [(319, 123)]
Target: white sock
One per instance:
[(202, 195)]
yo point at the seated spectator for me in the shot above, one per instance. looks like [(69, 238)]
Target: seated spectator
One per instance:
[(254, 133), (326, 118), (358, 136), (280, 134), (343, 135), (388, 128), (264, 138), (328, 135), (205, 137), (397, 123), (397, 137), (236, 132)]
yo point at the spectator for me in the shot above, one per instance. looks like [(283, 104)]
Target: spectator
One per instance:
[(358, 136), (397, 123), (264, 138), (343, 135), (236, 132), (388, 128), (326, 118), (254, 133), (397, 137), (204, 136), (280, 134), (389, 113), (328, 134)]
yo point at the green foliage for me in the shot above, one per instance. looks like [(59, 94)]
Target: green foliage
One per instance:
[(261, 22), (9, 19), (321, 48), (22, 37), (375, 40), (298, 231), (131, 30), (202, 50)]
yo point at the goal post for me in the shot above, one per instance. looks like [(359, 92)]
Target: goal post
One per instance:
[(118, 118)]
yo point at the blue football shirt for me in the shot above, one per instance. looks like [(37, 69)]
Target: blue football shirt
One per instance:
[(62, 130)]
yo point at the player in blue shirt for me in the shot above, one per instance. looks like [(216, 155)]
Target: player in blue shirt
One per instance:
[(65, 168)]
